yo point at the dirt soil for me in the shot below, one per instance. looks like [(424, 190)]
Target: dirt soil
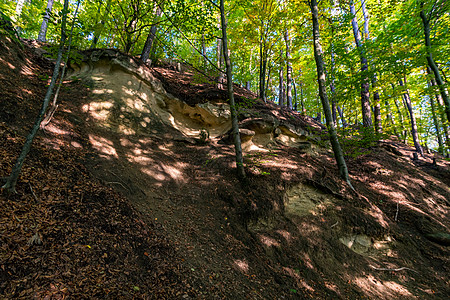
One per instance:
[(150, 215)]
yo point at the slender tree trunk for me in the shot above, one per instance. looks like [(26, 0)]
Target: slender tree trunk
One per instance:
[(338, 154), (391, 118), (302, 102), (341, 115), (151, 36), (11, 181), (54, 106), (437, 126), (220, 79), (43, 32), (288, 70), (295, 95), (365, 95), (377, 106), (98, 32), (19, 8), (412, 118), (235, 125), (281, 87), (332, 89), (400, 115), (432, 64)]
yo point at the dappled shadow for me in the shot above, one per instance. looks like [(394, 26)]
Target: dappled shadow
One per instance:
[(243, 241)]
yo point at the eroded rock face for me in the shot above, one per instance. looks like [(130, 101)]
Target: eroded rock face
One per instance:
[(130, 100)]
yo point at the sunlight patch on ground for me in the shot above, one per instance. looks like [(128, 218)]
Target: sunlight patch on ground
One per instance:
[(102, 91), (287, 235), (268, 241), (382, 289), (103, 146), (241, 265), (56, 130)]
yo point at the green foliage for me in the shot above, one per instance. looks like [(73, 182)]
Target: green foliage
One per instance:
[(359, 141), (255, 162)]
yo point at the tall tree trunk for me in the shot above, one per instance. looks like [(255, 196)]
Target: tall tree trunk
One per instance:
[(377, 106), (432, 64), (302, 102), (400, 115), (11, 181), (412, 118), (391, 117), (338, 154), (98, 32), (437, 126), (341, 115), (262, 73), (234, 119), (365, 95), (332, 89), (19, 8), (43, 32), (288, 70), (54, 106), (295, 95), (151, 36), (281, 87)]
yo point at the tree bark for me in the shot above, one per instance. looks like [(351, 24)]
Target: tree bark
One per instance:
[(365, 95), (151, 36), (43, 32), (341, 115), (412, 118), (437, 126), (338, 154), (288, 70), (234, 119), (332, 89), (11, 181), (281, 93), (19, 8), (432, 64)]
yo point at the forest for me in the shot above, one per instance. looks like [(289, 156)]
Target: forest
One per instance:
[(386, 62), (225, 149)]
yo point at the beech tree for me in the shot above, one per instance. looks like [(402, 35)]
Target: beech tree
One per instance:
[(11, 181), (234, 119), (318, 53), (43, 32)]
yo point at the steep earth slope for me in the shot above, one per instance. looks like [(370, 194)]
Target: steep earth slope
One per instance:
[(294, 231)]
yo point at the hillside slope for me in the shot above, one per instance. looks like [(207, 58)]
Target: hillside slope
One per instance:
[(183, 226)]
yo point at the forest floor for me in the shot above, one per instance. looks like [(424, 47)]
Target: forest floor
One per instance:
[(163, 217)]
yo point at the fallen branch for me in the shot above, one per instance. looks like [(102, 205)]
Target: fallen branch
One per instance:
[(393, 270)]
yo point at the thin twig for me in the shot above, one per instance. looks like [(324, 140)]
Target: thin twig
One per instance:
[(119, 183), (32, 192), (334, 224), (396, 214)]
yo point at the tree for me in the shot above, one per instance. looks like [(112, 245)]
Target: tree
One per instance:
[(43, 32), (437, 6), (412, 117), (234, 119), (11, 181), (365, 95), (151, 36), (288, 70), (318, 53)]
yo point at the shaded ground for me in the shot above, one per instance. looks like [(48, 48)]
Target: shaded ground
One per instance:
[(198, 232)]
